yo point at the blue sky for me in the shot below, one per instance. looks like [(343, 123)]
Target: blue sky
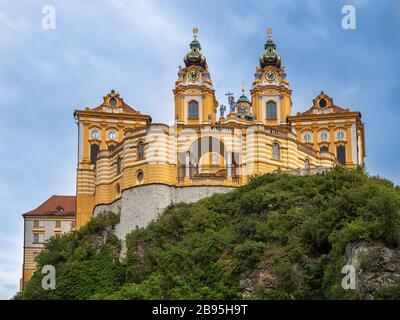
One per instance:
[(135, 47)]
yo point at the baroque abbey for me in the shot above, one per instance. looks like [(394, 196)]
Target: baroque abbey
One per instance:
[(128, 164), (120, 149)]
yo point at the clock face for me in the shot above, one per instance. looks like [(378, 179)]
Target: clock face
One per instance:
[(270, 75), (194, 75)]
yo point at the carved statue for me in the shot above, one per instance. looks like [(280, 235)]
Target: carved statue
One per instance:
[(231, 101), (222, 110), (180, 72)]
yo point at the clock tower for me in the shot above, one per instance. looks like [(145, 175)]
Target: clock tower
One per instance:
[(194, 94), (271, 94)]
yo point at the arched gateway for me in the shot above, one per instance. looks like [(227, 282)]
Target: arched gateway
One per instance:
[(207, 159)]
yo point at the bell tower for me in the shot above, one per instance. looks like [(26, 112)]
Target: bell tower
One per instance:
[(271, 94), (194, 94)]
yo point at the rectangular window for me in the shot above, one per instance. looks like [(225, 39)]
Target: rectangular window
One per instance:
[(271, 110), (341, 154), (58, 224), (36, 223), (35, 238), (140, 151), (94, 149), (193, 109), (119, 162), (275, 152)]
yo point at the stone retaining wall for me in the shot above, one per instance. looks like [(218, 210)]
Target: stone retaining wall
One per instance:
[(142, 204)]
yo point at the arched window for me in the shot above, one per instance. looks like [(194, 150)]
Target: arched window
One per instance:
[(276, 154), (324, 149), (323, 136), (271, 110), (193, 109), (112, 135), (140, 151), (341, 154), (94, 149), (119, 163), (307, 137), (95, 134), (340, 135), (118, 190), (140, 176)]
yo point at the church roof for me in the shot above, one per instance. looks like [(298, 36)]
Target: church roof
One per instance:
[(55, 205), (335, 109), (125, 107), (322, 105)]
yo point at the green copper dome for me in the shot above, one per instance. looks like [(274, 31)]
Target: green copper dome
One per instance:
[(195, 44), (243, 98), (194, 57)]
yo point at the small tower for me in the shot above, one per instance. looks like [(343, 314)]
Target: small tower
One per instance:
[(194, 94), (243, 106), (271, 94)]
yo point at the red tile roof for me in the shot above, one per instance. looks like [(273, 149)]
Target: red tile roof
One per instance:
[(55, 205)]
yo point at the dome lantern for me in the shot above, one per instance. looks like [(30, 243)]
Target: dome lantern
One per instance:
[(270, 57), (194, 57)]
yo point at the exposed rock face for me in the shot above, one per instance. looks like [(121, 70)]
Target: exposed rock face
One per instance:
[(100, 239), (376, 267), (257, 280)]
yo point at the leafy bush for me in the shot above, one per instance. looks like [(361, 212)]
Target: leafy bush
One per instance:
[(295, 228), (86, 263)]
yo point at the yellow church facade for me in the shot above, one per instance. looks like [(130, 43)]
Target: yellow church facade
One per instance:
[(210, 145)]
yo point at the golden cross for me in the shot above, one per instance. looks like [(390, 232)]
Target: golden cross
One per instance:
[(195, 32), (269, 31)]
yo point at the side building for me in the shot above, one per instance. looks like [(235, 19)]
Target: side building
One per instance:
[(53, 217)]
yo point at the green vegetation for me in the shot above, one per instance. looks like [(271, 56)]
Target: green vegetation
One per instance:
[(86, 263), (279, 237)]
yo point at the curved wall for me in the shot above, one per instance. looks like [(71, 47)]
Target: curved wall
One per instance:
[(140, 205)]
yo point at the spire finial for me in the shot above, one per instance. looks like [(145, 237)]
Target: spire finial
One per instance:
[(243, 89), (195, 32), (269, 31)]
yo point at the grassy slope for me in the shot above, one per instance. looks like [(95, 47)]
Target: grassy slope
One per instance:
[(289, 230)]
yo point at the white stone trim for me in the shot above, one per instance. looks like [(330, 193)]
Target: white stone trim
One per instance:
[(264, 101), (354, 143), (186, 101), (80, 142)]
